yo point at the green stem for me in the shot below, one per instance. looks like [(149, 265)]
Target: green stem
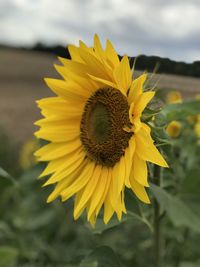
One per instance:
[(157, 226)]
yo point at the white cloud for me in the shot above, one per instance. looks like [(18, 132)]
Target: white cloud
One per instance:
[(165, 28)]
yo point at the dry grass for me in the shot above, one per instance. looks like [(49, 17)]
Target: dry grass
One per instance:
[(21, 83)]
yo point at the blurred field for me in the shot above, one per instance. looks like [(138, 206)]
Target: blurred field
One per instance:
[(21, 83)]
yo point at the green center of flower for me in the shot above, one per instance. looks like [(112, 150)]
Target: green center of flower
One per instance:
[(99, 125), (105, 116)]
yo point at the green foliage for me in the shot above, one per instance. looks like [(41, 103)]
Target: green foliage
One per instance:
[(5, 179), (8, 256), (36, 234), (178, 211), (8, 153), (180, 111), (101, 257)]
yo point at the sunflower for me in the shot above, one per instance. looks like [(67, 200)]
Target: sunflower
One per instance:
[(174, 97), (174, 129), (98, 144), (26, 158)]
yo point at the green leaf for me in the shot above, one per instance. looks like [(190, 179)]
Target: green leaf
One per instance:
[(161, 196), (41, 220), (190, 187), (8, 256), (101, 257), (179, 213), (190, 264), (5, 230), (181, 110), (148, 114), (4, 174), (101, 227), (5, 178)]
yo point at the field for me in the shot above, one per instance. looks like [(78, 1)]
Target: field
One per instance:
[(21, 83)]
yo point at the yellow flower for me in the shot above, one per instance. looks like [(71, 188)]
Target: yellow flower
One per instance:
[(98, 144), (192, 119), (174, 97), (197, 129), (26, 158), (174, 129), (197, 96)]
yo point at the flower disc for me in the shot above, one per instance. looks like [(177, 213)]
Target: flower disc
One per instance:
[(105, 116)]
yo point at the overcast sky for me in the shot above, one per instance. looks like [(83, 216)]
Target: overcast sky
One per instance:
[(152, 27)]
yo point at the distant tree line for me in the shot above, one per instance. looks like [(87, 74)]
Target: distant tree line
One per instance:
[(148, 63), (166, 65)]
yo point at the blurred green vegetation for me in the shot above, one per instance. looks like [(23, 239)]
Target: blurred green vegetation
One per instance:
[(36, 234), (8, 153)]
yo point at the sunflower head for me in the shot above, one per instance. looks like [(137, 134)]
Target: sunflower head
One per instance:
[(197, 96), (26, 158), (98, 144), (174, 129), (197, 129), (174, 97)]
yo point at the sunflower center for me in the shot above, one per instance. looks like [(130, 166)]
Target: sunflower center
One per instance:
[(105, 115), (99, 123)]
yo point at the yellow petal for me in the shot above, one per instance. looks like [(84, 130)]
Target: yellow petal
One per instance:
[(95, 67), (114, 185), (102, 81), (142, 102), (123, 203), (63, 184), (146, 150), (87, 191), (119, 173), (139, 191), (92, 220), (57, 150), (83, 46), (136, 88), (98, 47), (74, 53), (67, 168), (108, 211), (59, 131), (147, 129), (52, 166), (77, 200), (80, 182), (123, 76), (111, 54), (129, 152), (61, 122), (107, 186), (52, 102), (74, 67), (137, 124), (119, 209), (131, 111), (114, 199), (62, 136), (98, 193), (139, 171), (80, 77), (67, 90), (55, 108)]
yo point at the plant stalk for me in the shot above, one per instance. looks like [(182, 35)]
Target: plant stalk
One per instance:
[(157, 221)]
